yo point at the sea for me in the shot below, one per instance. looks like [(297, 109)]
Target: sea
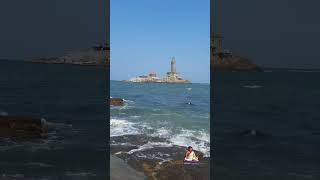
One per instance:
[(266, 125), (178, 113), (72, 99)]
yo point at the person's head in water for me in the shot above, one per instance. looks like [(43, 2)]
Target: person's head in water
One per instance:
[(190, 149)]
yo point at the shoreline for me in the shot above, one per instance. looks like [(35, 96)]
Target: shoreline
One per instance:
[(159, 162)]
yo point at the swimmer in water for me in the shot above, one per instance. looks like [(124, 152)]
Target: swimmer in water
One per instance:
[(190, 155)]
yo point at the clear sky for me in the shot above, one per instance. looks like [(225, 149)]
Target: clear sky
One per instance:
[(146, 34)]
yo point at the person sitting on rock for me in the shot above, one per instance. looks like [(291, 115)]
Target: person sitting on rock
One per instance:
[(190, 155)]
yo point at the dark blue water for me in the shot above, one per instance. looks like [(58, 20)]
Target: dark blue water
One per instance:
[(72, 100), (284, 108)]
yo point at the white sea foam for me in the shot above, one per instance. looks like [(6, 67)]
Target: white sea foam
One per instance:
[(199, 140), (125, 106), (162, 132), (120, 127), (128, 101), (150, 145), (135, 117), (252, 86)]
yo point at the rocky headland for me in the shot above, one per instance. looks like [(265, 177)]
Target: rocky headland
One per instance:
[(235, 64), (94, 56), (225, 60)]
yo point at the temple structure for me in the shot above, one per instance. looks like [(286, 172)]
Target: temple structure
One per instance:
[(172, 77)]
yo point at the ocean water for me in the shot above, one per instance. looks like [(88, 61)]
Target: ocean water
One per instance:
[(283, 106), (73, 101), (179, 113)]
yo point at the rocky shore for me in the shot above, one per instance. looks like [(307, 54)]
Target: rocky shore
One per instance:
[(157, 159)]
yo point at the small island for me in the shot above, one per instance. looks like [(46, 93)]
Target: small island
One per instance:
[(225, 60), (172, 77)]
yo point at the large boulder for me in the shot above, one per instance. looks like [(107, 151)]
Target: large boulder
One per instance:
[(24, 127), (116, 102)]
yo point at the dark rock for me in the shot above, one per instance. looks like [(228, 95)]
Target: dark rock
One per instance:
[(158, 162), (24, 127), (116, 102), (177, 170)]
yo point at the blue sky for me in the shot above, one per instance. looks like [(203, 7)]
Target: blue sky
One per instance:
[(146, 34)]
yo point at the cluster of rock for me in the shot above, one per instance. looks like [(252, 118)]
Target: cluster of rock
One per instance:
[(116, 102), (96, 56), (151, 161), (22, 127)]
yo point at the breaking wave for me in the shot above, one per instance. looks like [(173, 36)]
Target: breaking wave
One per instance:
[(199, 140), (120, 127)]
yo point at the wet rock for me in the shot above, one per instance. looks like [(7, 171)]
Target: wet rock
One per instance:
[(120, 170), (116, 102), (24, 127), (178, 171), (158, 161)]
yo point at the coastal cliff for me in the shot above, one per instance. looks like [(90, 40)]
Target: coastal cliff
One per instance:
[(95, 56)]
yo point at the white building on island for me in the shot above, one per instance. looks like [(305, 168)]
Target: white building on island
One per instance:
[(172, 77)]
